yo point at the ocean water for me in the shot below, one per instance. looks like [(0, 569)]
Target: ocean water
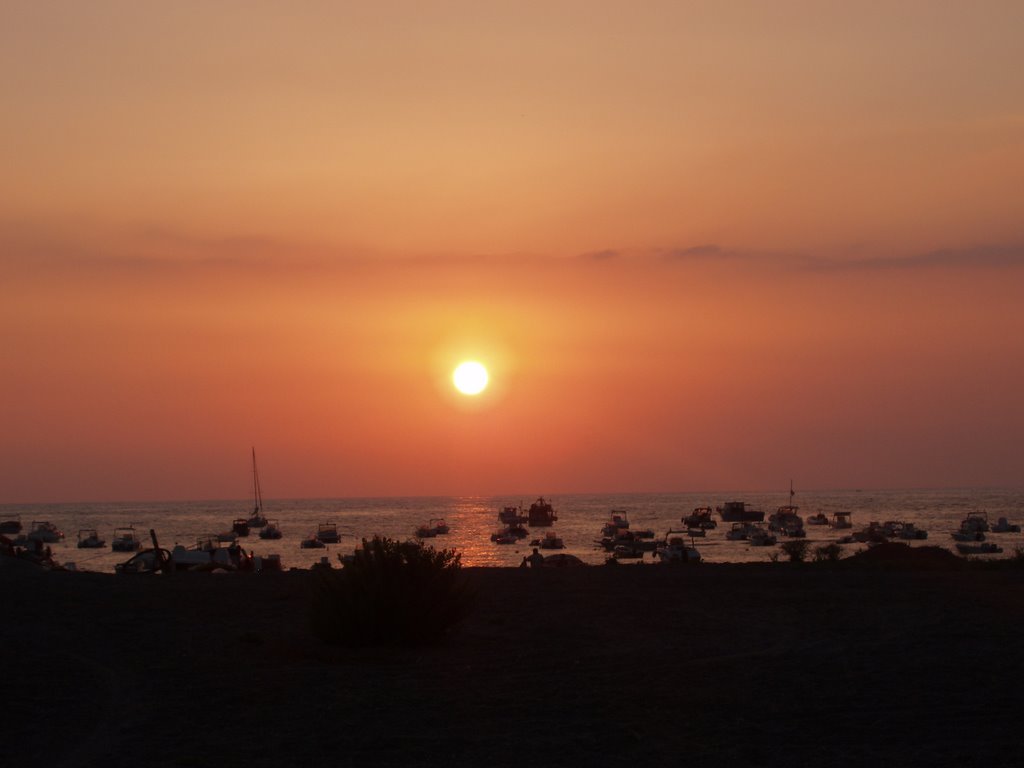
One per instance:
[(473, 519)]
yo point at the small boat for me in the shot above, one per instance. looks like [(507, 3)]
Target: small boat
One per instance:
[(227, 537), (328, 533), (910, 532), (312, 542), (817, 519), (541, 513), (786, 520), (987, 548), (240, 527), (737, 512), (963, 535), (256, 519), (88, 538), (740, 531), (11, 525), (674, 549), (208, 555), (975, 521), (841, 520), (509, 534), (512, 516), (271, 530), (619, 522), (46, 532), (759, 537), (551, 541), (1003, 526), (627, 552), (125, 540), (147, 562), (700, 518), (437, 526)]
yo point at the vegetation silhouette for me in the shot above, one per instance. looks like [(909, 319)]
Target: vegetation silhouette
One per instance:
[(390, 593)]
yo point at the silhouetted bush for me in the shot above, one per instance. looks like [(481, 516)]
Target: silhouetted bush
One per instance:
[(390, 593), (828, 553), (796, 549)]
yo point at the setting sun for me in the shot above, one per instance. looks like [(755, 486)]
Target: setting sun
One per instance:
[(470, 378)]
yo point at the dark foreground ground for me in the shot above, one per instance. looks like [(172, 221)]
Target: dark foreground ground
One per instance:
[(870, 663)]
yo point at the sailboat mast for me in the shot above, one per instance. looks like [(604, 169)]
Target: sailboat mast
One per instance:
[(257, 494)]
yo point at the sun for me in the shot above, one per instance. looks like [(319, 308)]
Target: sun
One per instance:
[(470, 378)]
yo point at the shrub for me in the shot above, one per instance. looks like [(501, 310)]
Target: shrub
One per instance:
[(390, 593), (828, 553), (796, 550)]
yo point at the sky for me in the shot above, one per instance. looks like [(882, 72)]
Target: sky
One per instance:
[(699, 246)]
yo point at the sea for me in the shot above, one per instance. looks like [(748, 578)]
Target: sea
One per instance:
[(472, 520)]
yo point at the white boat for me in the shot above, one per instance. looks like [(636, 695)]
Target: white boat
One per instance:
[(207, 554), (45, 531), (256, 519), (125, 540), (88, 538), (674, 549)]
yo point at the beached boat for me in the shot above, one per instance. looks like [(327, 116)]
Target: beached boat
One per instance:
[(512, 516), (271, 530), (88, 538), (1003, 526), (541, 513), (737, 512), (987, 548), (125, 540), (328, 533), (11, 525), (256, 519), (674, 549), (45, 531)]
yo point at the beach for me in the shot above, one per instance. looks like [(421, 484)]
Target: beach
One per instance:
[(891, 661)]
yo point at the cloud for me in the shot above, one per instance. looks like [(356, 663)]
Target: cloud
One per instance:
[(980, 257), (709, 251)]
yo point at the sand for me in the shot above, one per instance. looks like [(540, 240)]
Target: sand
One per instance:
[(884, 661)]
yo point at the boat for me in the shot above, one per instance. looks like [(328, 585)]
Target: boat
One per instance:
[(312, 542), (510, 534), (841, 520), (256, 519), (987, 548), (328, 533), (271, 530), (125, 540), (819, 518), (208, 555), (785, 519), (45, 531), (963, 535), (910, 532), (147, 562), (541, 513), (551, 541), (737, 512), (241, 526), (740, 531), (760, 537), (1003, 526), (975, 521), (439, 525), (88, 538), (700, 518), (11, 525), (436, 527), (619, 522), (674, 549), (512, 516)]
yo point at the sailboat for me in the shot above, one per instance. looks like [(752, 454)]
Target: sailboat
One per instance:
[(256, 519)]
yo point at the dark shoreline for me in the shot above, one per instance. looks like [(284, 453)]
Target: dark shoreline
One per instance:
[(908, 663)]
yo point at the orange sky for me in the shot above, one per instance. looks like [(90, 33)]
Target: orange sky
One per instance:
[(700, 246)]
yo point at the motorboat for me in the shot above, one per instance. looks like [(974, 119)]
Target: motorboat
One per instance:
[(700, 518), (312, 542), (512, 516), (208, 554), (125, 540), (910, 532), (240, 527), (737, 512), (841, 520), (11, 525), (1003, 526), (740, 531), (88, 538), (619, 522), (819, 518), (439, 525), (674, 549), (510, 534), (975, 521), (328, 533), (760, 537), (541, 513), (963, 535), (436, 527), (45, 531), (271, 530), (551, 541)]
